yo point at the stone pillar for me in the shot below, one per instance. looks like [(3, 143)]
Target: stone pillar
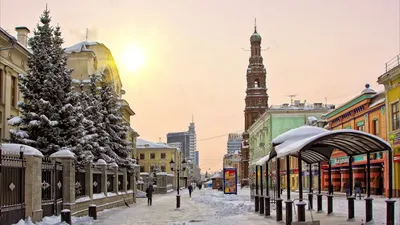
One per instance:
[(33, 187), (67, 159), (89, 180), (114, 168), (132, 180), (103, 167), (124, 180)]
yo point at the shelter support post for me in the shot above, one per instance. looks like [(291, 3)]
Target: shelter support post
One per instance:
[(330, 189), (278, 200), (368, 199), (310, 189), (350, 198), (288, 202), (390, 203), (261, 197), (301, 206), (319, 196), (267, 209), (257, 204)]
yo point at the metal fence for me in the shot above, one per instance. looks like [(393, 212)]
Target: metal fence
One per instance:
[(80, 180), (52, 175), (12, 185), (110, 182), (96, 180), (120, 183)]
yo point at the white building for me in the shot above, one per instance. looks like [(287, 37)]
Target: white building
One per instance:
[(234, 143)]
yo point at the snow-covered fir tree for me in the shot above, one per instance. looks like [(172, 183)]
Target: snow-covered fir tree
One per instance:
[(114, 138), (50, 119)]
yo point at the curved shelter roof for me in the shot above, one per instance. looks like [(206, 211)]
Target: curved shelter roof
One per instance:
[(319, 147)]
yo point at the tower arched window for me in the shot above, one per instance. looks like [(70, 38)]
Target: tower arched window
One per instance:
[(257, 83)]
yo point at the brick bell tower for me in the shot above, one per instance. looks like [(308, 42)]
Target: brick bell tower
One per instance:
[(256, 101)]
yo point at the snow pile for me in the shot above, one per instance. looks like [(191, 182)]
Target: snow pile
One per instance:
[(56, 220), (225, 205), (140, 194)]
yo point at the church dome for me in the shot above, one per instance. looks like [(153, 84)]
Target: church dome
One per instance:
[(255, 37)]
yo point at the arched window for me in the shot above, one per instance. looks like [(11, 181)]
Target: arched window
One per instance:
[(257, 83)]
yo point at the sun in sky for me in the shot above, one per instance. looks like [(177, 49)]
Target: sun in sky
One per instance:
[(133, 58)]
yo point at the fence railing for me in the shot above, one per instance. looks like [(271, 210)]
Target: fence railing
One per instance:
[(80, 183), (392, 63), (52, 175), (12, 187)]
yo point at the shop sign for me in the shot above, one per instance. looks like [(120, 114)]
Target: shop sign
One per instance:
[(396, 158), (340, 160), (394, 138)]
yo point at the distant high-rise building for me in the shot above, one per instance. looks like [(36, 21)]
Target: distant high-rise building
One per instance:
[(196, 158), (234, 143), (177, 145), (192, 140), (183, 139)]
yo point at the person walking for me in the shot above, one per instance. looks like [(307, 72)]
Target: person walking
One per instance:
[(190, 188), (357, 189), (149, 194)]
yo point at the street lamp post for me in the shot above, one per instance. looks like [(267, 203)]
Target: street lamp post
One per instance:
[(177, 169)]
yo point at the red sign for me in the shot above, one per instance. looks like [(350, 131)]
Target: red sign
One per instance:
[(396, 158)]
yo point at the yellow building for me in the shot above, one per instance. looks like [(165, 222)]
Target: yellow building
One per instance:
[(13, 61), (94, 58), (155, 157), (391, 80)]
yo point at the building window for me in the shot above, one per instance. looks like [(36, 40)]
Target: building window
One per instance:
[(152, 155), (375, 128), (13, 91), (162, 168), (360, 128), (141, 168), (141, 156), (395, 116), (163, 156)]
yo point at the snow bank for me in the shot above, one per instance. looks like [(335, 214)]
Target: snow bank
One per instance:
[(56, 220), (225, 205), (16, 148)]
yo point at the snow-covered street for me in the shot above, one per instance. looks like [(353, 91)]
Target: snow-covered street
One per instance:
[(211, 207)]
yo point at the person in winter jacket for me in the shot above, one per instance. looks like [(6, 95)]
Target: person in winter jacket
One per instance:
[(149, 194), (190, 188)]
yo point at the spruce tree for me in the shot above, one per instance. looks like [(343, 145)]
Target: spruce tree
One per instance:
[(116, 129), (49, 119)]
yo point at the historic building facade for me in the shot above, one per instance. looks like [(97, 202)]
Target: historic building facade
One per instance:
[(94, 58), (256, 101), (365, 112), (277, 120), (13, 61), (391, 80)]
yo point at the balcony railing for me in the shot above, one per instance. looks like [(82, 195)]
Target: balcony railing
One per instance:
[(393, 63)]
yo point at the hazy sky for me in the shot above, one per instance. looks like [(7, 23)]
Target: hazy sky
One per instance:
[(194, 58)]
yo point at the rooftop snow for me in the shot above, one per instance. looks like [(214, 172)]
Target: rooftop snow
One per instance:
[(81, 47), (297, 134), (141, 144)]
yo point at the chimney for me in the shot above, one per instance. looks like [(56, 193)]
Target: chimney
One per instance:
[(22, 35)]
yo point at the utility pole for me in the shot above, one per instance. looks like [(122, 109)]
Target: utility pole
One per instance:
[(87, 33)]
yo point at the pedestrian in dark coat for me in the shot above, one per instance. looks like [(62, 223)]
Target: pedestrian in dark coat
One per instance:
[(149, 194), (190, 188)]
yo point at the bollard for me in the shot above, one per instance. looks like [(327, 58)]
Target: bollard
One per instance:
[(319, 203), (301, 211), (261, 200), (390, 211), (330, 204), (267, 206), (66, 216), (289, 212), (93, 211), (350, 200), (278, 209), (178, 201), (368, 209)]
